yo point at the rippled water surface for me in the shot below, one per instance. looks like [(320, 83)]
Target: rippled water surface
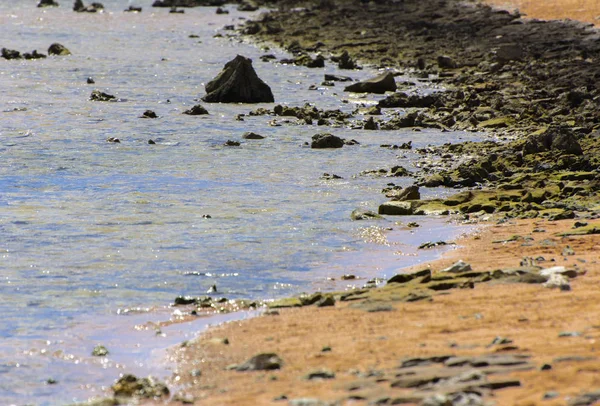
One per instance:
[(90, 227)]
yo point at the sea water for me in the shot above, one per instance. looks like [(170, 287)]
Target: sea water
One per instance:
[(98, 238)]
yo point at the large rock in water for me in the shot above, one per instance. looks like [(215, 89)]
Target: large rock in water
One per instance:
[(238, 83), (379, 84)]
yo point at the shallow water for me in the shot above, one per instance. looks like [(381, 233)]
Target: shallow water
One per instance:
[(90, 228)]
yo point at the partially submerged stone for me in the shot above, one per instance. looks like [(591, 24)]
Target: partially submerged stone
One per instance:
[(238, 83), (97, 95), (379, 84), (326, 140), (197, 110), (131, 386)]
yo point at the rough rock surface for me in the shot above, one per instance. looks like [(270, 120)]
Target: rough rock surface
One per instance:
[(379, 84), (238, 83)]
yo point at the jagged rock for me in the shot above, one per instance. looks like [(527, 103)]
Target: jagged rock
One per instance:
[(238, 83), (131, 386), (247, 5), (404, 100), (409, 193), (47, 3), (379, 84), (58, 49), (261, 362), (196, 110), (11, 54), (370, 124), (359, 214), (554, 138), (33, 55), (325, 140), (97, 95), (148, 114), (446, 62), (345, 62), (79, 7)]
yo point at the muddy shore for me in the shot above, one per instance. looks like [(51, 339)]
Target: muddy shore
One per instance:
[(499, 332)]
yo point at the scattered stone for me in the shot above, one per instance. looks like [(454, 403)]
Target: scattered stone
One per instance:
[(11, 54), (197, 110), (47, 3), (337, 78), (379, 84), (359, 214), (319, 374), (238, 83), (261, 362), (100, 351), (252, 136), (133, 9), (97, 95), (458, 267), (113, 139), (222, 11), (408, 193), (131, 386), (346, 62), (326, 140), (90, 81), (230, 143), (148, 114)]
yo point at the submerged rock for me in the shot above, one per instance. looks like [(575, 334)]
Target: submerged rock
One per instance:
[(58, 49), (326, 140), (187, 3), (238, 83), (197, 110), (47, 3), (79, 7), (97, 95), (379, 84), (131, 386), (11, 54)]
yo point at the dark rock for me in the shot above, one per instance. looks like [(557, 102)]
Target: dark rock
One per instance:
[(247, 5), (10, 54), (222, 11), (113, 140), (149, 114), (261, 362), (230, 143), (409, 193), (33, 55), (252, 136), (319, 374), (133, 9), (175, 10), (197, 110), (79, 7), (407, 277), (404, 100), (47, 3), (555, 138), (379, 84), (238, 83), (90, 81), (97, 95), (446, 62), (131, 386), (346, 62), (58, 49), (359, 214), (326, 301), (337, 78), (325, 140), (370, 124)]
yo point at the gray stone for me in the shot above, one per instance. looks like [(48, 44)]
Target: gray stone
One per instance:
[(379, 84), (458, 267), (326, 140), (261, 362), (238, 83)]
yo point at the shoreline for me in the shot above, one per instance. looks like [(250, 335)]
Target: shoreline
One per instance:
[(355, 356)]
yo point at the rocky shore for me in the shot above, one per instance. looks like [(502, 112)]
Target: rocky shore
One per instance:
[(509, 316)]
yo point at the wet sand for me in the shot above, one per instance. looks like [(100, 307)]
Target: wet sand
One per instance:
[(545, 324)]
